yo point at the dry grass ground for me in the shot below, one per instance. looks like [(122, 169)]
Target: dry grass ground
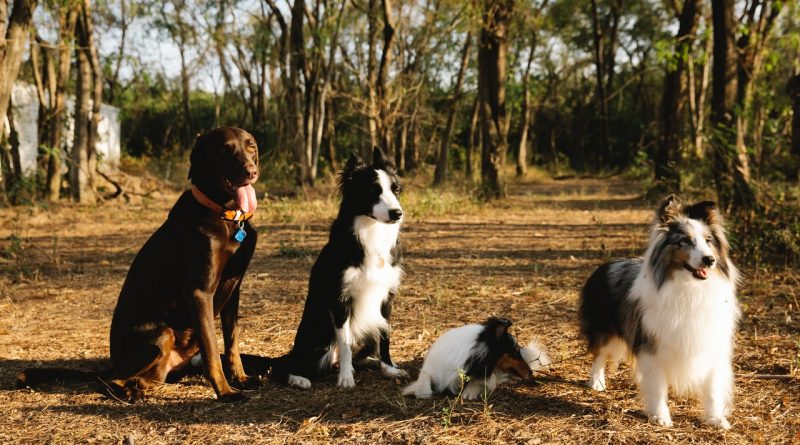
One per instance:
[(526, 257)]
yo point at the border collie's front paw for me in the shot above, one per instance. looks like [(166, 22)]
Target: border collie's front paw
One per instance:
[(661, 419), (346, 380), (718, 422), (393, 372), (299, 382)]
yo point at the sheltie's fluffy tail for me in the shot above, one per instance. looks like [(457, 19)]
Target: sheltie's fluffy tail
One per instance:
[(421, 388), (535, 356)]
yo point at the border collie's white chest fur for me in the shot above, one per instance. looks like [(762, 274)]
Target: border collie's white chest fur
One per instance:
[(370, 284)]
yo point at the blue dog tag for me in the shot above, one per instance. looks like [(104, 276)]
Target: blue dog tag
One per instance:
[(240, 234)]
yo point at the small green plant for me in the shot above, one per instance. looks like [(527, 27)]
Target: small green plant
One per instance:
[(447, 411)]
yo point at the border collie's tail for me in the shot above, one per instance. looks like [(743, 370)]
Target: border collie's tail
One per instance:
[(421, 388), (256, 364), (35, 376)]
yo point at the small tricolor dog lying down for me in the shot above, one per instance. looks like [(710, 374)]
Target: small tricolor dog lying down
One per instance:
[(485, 353), (675, 310)]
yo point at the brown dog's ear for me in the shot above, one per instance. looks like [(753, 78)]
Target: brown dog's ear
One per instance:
[(668, 209), (702, 211), (194, 157)]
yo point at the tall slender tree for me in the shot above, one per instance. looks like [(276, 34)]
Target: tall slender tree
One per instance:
[(492, 91), (667, 154)]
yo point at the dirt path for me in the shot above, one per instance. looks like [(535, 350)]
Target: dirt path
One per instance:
[(524, 258)]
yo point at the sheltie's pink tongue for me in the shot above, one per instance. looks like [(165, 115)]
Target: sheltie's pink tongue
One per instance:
[(701, 273), (246, 198)]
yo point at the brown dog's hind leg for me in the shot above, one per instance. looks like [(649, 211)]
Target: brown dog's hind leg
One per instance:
[(140, 367)]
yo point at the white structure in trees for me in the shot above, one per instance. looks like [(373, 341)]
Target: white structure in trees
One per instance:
[(25, 109)]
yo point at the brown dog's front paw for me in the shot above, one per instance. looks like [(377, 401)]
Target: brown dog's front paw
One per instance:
[(231, 397), (247, 382)]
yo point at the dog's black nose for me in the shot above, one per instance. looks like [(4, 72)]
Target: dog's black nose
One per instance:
[(252, 172), (395, 214), (709, 260)]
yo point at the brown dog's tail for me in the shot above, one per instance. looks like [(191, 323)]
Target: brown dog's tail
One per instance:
[(35, 376)]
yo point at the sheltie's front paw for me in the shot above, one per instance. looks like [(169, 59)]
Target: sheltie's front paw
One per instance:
[(471, 392), (299, 382), (718, 422), (597, 384), (393, 372), (346, 380)]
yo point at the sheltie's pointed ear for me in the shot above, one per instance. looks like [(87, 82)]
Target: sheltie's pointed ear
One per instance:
[(498, 325), (668, 209), (703, 211), (378, 159)]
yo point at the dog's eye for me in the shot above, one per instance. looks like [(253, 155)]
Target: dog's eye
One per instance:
[(685, 240), (396, 189), (709, 239), (229, 149)]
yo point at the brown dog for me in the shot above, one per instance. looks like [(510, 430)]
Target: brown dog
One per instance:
[(186, 274)]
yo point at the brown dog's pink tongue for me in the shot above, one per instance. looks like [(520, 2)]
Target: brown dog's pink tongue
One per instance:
[(246, 198)]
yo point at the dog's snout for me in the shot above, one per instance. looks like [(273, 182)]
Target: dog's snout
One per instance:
[(252, 171), (395, 214), (709, 260)]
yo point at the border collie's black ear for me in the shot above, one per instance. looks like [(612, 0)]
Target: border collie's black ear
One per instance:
[(353, 162), (378, 159), (498, 325), (668, 209), (702, 211)]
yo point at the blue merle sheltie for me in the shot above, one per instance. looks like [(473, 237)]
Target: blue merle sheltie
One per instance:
[(352, 283), (674, 310)]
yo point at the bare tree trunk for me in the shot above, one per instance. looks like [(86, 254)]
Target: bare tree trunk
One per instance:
[(473, 139), (667, 156), (385, 126), (733, 186), (440, 174), (88, 41), (697, 100), (525, 120), (79, 160), (372, 74), (13, 40), (113, 82), (329, 138), (412, 152), (794, 92), (294, 92), (492, 90), (600, 73)]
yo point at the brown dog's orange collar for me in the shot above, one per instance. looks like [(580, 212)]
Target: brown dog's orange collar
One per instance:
[(226, 214)]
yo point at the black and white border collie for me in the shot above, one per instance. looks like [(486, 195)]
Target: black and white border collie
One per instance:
[(353, 281), (486, 353), (675, 310)]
